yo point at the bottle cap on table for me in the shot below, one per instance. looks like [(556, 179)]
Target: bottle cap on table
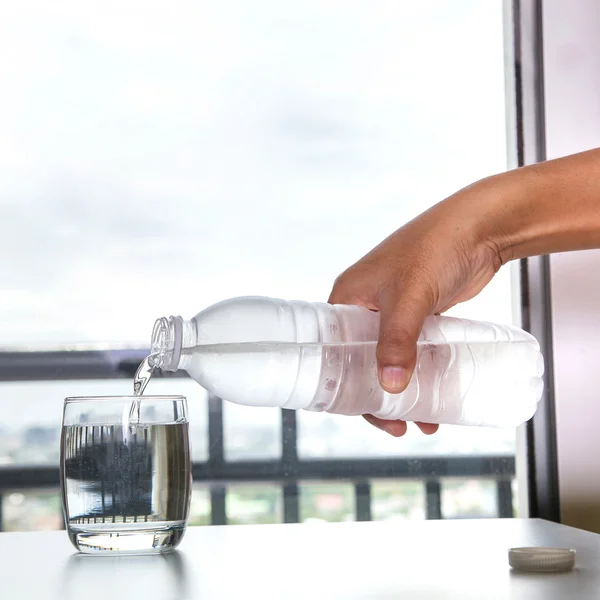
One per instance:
[(541, 560)]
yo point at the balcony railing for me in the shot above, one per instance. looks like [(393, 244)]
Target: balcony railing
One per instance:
[(288, 471)]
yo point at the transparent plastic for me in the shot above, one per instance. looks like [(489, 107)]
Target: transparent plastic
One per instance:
[(262, 351)]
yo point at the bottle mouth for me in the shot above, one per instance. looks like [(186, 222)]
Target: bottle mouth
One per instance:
[(166, 343)]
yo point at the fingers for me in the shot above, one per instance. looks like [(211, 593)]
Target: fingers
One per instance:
[(395, 428), (403, 308), (402, 318), (398, 428), (428, 428), (351, 288)]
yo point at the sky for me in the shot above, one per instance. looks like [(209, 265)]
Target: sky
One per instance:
[(157, 157)]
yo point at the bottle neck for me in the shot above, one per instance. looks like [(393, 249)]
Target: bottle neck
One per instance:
[(169, 337)]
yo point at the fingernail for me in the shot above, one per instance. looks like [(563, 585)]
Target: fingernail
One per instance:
[(393, 378)]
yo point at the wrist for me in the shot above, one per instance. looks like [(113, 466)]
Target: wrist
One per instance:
[(502, 213), (484, 218), (540, 209)]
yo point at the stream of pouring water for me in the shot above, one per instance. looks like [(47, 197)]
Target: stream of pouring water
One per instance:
[(140, 381)]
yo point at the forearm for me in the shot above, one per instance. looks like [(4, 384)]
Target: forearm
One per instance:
[(550, 207)]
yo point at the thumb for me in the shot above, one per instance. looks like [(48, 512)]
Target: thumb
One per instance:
[(402, 318)]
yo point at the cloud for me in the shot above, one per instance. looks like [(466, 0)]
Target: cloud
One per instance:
[(172, 157)]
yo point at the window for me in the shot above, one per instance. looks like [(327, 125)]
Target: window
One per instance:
[(154, 160)]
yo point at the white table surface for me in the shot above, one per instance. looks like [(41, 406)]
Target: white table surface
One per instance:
[(408, 560)]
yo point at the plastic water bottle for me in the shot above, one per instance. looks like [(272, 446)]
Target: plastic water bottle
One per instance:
[(267, 352)]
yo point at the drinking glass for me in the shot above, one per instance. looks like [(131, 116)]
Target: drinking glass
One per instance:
[(125, 474)]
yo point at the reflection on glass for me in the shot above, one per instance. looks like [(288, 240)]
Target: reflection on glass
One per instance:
[(320, 501), (31, 510), (468, 499), (255, 503), (197, 402), (397, 500), (125, 475)]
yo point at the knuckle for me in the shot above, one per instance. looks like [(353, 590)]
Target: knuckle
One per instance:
[(347, 287), (340, 291), (341, 282)]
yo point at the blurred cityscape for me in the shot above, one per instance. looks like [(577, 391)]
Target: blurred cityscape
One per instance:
[(30, 436), (262, 503)]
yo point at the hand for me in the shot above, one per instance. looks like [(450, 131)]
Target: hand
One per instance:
[(445, 256)]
